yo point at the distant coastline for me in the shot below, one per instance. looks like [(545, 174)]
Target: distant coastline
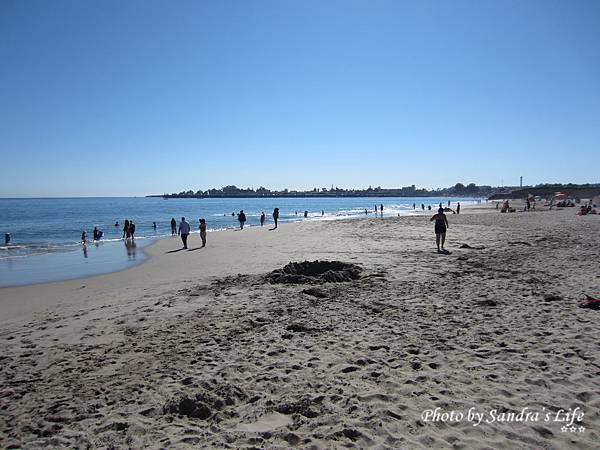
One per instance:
[(458, 190)]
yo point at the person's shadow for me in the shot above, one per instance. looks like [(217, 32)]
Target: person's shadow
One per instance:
[(272, 229), (175, 251)]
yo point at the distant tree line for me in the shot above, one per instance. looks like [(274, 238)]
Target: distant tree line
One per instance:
[(232, 191)]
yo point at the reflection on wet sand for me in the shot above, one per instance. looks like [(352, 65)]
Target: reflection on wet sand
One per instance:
[(130, 247), (85, 254)]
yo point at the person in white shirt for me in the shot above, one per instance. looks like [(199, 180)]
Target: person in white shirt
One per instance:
[(184, 231)]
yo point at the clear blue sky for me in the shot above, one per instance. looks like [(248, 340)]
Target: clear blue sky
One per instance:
[(141, 97)]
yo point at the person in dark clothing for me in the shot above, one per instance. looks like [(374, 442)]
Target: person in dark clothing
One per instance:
[(173, 227), (441, 225), (242, 219), (458, 208), (131, 229), (276, 216), (126, 233), (262, 218)]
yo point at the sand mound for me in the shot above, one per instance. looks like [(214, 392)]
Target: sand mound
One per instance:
[(309, 272)]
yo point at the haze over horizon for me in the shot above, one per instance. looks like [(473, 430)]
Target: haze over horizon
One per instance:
[(143, 97)]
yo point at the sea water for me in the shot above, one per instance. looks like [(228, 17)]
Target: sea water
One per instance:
[(46, 233)]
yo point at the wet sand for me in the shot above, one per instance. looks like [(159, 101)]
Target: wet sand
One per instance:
[(201, 349)]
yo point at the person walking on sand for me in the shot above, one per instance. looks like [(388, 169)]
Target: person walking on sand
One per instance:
[(441, 225), (262, 218), (458, 208), (381, 208), (126, 232), (276, 216), (203, 232), (242, 219), (173, 227), (184, 231)]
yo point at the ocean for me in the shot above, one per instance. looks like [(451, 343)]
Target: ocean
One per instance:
[(46, 232)]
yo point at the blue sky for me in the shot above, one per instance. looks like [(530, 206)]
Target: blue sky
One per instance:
[(142, 97)]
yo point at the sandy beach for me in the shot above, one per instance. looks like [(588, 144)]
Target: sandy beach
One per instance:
[(402, 347)]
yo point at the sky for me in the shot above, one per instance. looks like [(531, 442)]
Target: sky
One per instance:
[(130, 98)]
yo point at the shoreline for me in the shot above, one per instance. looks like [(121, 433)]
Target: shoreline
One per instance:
[(148, 241)]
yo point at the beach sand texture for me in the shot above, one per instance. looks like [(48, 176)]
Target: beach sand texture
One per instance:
[(200, 349)]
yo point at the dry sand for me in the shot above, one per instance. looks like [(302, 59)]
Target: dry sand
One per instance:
[(197, 349)]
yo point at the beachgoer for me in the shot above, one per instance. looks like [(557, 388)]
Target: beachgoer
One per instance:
[(441, 225), (423, 206), (429, 207), (262, 218), (154, 225), (173, 227), (414, 206), (126, 234), (276, 216), (83, 237), (203, 232), (366, 212), (322, 212), (6, 238), (117, 223), (458, 208), (448, 203), (305, 214), (375, 209), (97, 234), (131, 229), (184, 231), (381, 208), (242, 219)]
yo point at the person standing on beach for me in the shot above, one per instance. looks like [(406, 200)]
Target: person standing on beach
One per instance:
[(441, 225), (262, 218), (131, 229), (184, 231), (381, 208), (126, 230), (83, 237), (203, 232), (242, 219), (458, 208), (173, 227), (276, 216)]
